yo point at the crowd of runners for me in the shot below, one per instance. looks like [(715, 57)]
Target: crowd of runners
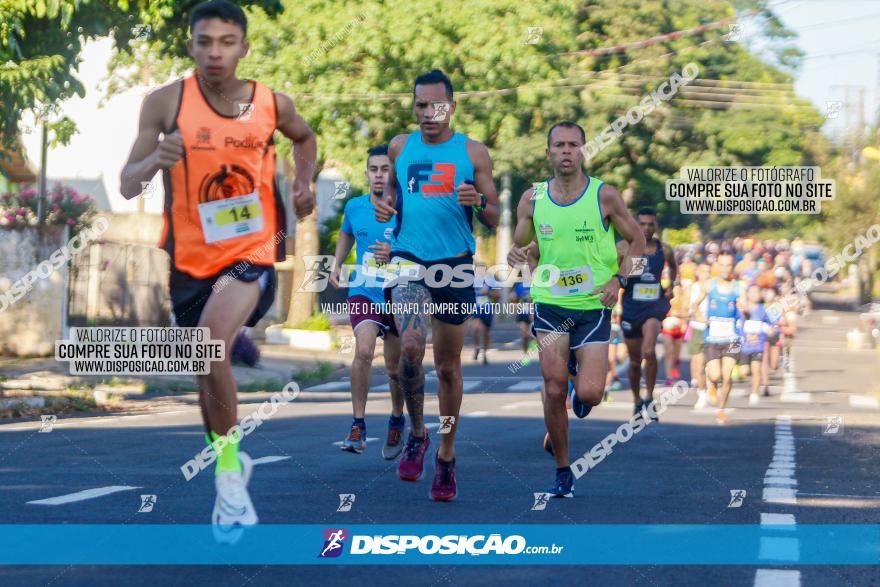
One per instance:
[(604, 288)]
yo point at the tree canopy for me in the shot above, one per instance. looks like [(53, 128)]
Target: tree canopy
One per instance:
[(516, 67)]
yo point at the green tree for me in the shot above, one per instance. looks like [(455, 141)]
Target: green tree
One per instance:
[(741, 110), (350, 73), (41, 42)]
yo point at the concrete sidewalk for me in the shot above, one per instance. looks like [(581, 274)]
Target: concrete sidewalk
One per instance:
[(30, 386)]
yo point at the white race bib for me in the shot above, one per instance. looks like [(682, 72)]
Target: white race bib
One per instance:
[(721, 328), (646, 292), (573, 282), (398, 266), (231, 217), (753, 327), (370, 266)]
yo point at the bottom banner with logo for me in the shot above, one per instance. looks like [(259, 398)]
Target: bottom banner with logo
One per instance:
[(533, 544)]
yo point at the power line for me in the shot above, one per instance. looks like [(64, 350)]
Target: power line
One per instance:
[(836, 22), (656, 39)]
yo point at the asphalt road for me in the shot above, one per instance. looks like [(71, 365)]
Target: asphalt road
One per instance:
[(680, 471)]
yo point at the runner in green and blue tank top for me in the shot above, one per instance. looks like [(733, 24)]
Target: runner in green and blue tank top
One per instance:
[(574, 219)]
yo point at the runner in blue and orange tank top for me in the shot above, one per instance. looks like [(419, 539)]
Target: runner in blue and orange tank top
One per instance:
[(224, 219), (443, 180)]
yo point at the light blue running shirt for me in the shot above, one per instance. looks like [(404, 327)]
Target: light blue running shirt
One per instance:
[(431, 224), (359, 221)]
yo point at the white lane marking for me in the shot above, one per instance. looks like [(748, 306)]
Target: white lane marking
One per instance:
[(841, 496), (83, 495), (477, 414), (369, 440), (783, 458), (523, 404), (95, 421), (111, 420), (266, 460), (712, 410), (783, 495), (331, 386), (863, 401), (469, 385), (616, 406), (777, 578), (779, 473), (528, 385), (779, 549), (799, 397), (778, 520)]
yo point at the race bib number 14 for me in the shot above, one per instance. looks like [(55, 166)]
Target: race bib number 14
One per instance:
[(231, 217)]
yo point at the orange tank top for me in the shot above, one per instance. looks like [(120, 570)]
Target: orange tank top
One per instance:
[(222, 204)]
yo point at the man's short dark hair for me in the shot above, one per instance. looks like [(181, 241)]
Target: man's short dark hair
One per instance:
[(435, 76), (567, 124), (377, 151), (646, 212), (222, 9)]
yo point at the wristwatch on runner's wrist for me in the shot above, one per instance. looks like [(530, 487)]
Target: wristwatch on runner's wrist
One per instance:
[(623, 280)]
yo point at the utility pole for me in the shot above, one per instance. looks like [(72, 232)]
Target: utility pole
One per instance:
[(146, 76), (44, 155), (877, 94), (505, 232), (854, 114)]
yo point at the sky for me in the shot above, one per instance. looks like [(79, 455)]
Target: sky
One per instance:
[(839, 38), (842, 48)]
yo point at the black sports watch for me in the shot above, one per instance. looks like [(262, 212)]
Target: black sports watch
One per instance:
[(622, 280)]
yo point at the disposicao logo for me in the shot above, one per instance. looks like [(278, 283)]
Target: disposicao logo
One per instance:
[(334, 541)]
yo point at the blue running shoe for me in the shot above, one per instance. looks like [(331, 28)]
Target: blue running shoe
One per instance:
[(356, 442), (580, 409), (564, 486), (637, 408), (647, 404)]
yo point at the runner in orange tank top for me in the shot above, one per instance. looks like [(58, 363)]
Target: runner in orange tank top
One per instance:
[(224, 218)]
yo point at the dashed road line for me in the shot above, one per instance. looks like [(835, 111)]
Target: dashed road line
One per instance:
[(269, 459), (528, 385), (83, 495), (863, 401), (777, 578), (780, 487)]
